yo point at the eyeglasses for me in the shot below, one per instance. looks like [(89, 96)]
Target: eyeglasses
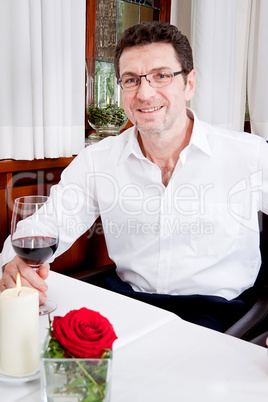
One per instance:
[(158, 79)]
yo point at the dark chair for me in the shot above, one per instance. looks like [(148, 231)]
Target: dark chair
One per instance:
[(253, 326)]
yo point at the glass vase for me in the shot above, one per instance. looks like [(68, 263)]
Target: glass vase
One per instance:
[(103, 102), (75, 380)]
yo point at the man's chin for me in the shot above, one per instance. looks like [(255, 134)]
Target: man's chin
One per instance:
[(148, 129)]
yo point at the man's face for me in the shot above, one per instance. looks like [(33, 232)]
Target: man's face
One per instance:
[(155, 110)]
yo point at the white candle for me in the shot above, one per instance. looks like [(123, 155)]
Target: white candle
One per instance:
[(19, 331)]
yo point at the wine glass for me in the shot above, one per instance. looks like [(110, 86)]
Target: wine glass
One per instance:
[(34, 235)]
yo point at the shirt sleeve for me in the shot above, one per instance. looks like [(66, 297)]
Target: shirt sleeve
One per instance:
[(76, 208)]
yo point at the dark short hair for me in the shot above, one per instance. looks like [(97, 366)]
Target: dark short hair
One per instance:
[(155, 32)]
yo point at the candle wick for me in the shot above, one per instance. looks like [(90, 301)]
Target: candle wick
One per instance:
[(19, 293)]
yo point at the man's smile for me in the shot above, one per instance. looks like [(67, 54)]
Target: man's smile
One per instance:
[(153, 109)]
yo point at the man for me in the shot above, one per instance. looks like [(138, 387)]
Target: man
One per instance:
[(178, 198)]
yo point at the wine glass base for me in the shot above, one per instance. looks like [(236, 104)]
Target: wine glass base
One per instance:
[(47, 307)]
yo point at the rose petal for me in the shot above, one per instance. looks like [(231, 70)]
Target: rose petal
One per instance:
[(84, 333)]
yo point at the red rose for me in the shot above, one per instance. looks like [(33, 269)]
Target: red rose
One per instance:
[(84, 333)]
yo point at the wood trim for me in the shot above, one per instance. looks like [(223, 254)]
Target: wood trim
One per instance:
[(90, 44), (35, 164), (90, 27), (247, 126), (3, 220), (165, 10)]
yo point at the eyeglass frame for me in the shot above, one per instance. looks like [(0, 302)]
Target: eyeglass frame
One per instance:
[(119, 80)]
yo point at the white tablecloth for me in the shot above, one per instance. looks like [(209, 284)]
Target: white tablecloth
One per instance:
[(158, 357)]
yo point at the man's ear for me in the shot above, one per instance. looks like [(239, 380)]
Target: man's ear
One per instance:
[(190, 85)]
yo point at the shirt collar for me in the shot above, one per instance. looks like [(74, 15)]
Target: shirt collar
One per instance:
[(198, 139), (132, 145)]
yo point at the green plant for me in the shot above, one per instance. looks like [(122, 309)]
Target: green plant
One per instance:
[(110, 115)]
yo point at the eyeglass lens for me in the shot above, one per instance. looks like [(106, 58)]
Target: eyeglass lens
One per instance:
[(157, 79)]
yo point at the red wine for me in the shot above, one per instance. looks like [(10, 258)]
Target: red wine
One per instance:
[(35, 250)]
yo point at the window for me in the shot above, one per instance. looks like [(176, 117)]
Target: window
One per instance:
[(107, 19)]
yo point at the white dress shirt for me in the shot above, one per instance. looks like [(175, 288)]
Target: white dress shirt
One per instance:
[(198, 235)]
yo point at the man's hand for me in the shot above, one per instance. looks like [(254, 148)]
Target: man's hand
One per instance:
[(29, 277)]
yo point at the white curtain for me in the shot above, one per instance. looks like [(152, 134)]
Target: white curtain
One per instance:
[(231, 59), (258, 68), (42, 80)]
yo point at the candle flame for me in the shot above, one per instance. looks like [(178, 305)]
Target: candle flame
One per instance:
[(108, 100), (18, 281)]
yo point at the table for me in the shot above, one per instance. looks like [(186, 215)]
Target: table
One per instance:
[(157, 356)]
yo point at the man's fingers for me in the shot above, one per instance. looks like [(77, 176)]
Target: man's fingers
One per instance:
[(42, 297), (43, 271), (10, 273), (2, 286), (29, 277)]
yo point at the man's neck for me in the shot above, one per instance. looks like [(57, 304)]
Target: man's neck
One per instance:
[(164, 150)]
